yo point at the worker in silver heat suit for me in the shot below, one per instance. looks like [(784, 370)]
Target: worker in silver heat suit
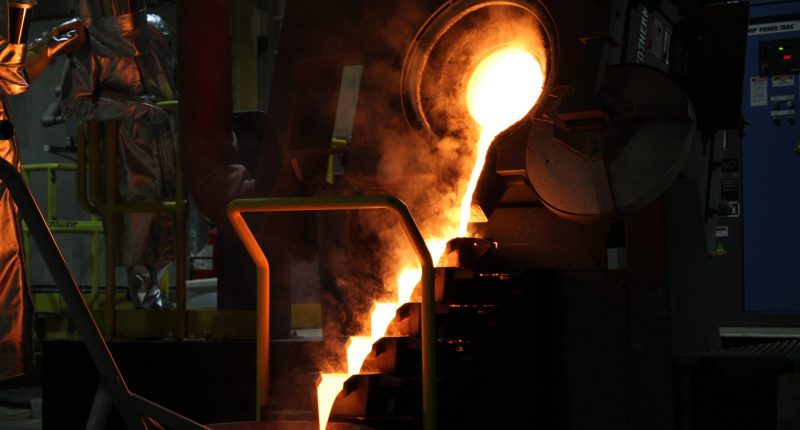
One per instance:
[(19, 66), (126, 67)]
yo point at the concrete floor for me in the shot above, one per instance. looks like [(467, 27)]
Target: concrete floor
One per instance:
[(13, 418), (15, 408), (17, 413)]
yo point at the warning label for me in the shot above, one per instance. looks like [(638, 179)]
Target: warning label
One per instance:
[(773, 27), (783, 80), (758, 91)]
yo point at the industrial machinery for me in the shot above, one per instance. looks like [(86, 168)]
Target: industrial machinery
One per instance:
[(756, 237), (570, 245), (584, 280), (754, 242)]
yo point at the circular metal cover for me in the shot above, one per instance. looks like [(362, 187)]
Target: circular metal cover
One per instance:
[(598, 166)]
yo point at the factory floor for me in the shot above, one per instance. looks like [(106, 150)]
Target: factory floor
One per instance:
[(21, 408)]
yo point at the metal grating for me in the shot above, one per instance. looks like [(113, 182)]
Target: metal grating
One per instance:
[(784, 355)]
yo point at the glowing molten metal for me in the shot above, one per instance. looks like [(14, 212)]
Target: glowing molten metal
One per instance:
[(501, 90), (327, 389)]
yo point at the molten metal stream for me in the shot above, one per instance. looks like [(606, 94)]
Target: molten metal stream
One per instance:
[(501, 90), (329, 386)]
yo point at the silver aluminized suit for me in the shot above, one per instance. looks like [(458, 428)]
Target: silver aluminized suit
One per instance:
[(125, 68), (17, 312), (17, 69)]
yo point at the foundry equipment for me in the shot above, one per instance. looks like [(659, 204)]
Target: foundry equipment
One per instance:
[(626, 99), (564, 238)]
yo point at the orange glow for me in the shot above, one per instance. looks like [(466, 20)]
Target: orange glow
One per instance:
[(487, 136), (328, 388), (406, 282), (382, 315), (358, 348), (501, 90), (437, 246)]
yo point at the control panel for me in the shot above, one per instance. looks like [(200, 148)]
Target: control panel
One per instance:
[(779, 57), (760, 179)]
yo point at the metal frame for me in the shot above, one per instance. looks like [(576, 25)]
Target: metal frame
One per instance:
[(109, 208), (137, 412), (93, 226), (304, 204)]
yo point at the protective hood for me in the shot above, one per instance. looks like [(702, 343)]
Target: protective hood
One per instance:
[(16, 310), (110, 35), (164, 35), (14, 23)]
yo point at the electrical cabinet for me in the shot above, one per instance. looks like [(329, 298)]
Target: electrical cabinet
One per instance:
[(760, 182)]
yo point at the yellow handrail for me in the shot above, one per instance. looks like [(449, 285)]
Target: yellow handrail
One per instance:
[(109, 207), (57, 225), (304, 204)]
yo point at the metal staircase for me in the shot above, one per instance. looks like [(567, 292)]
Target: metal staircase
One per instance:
[(470, 326), (237, 208), (485, 365)]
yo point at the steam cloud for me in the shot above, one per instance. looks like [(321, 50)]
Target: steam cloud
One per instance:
[(429, 175)]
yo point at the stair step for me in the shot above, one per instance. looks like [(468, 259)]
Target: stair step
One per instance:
[(406, 321), (459, 286), (469, 252), (400, 356), (378, 395), (453, 323)]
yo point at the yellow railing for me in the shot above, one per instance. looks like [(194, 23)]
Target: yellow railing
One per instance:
[(303, 204), (107, 206), (135, 411), (92, 226)]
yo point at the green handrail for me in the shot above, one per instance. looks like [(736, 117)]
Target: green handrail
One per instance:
[(305, 204)]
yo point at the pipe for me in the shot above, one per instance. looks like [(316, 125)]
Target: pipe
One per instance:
[(87, 132), (304, 204), (205, 130), (112, 221)]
